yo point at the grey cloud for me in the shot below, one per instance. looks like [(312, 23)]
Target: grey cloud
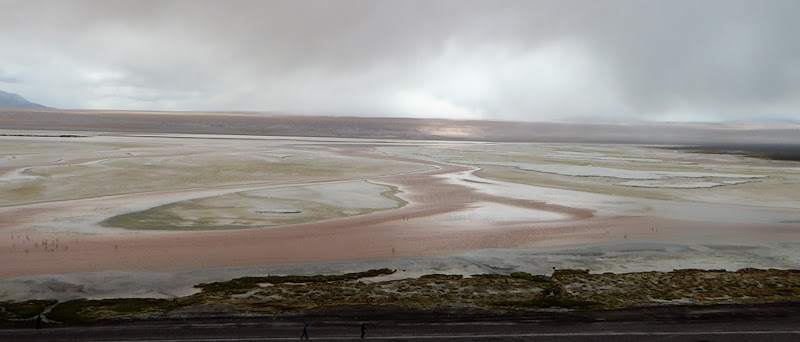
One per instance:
[(8, 79), (529, 60)]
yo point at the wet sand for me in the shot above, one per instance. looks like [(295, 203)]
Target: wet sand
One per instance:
[(406, 231), (417, 229)]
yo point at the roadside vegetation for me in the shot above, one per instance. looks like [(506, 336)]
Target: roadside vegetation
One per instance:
[(564, 290)]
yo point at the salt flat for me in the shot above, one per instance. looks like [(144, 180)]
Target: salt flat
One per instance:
[(74, 210)]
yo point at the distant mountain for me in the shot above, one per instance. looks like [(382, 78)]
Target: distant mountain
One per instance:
[(10, 100)]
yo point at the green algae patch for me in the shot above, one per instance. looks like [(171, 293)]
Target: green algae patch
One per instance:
[(264, 208)]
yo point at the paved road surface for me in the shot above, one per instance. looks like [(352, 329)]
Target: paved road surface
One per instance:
[(780, 322), (757, 330)]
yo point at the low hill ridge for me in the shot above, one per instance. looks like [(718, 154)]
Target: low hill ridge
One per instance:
[(11, 100)]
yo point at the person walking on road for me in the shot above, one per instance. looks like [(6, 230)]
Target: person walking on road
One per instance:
[(363, 330), (305, 332), (39, 323)]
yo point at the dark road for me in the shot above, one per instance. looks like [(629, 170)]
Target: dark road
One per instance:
[(253, 330)]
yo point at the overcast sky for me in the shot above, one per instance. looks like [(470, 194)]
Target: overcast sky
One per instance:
[(603, 60)]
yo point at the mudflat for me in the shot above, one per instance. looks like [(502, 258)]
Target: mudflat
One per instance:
[(98, 211), (176, 202)]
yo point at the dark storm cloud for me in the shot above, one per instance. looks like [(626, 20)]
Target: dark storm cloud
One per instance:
[(531, 60)]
